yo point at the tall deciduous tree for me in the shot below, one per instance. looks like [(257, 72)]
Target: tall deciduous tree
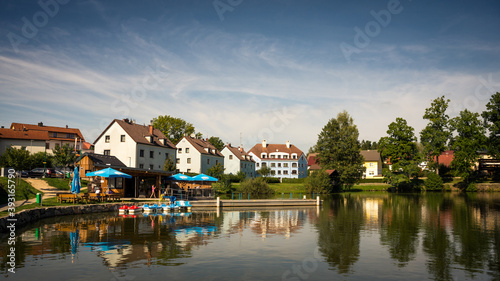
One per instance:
[(63, 156), (435, 136), (399, 148), (217, 142), (169, 165), (469, 140), (339, 148), (172, 127), (492, 117)]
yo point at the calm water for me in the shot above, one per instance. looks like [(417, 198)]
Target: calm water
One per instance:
[(358, 236)]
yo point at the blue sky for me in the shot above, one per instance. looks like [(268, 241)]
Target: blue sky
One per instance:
[(275, 70)]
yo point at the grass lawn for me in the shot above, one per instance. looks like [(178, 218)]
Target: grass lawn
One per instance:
[(24, 190), (62, 183)]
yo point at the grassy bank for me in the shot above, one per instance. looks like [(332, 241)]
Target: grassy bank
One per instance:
[(24, 190), (62, 183)]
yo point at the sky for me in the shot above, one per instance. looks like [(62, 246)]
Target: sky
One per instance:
[(245, 70)]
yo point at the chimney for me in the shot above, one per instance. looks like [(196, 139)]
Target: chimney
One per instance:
[(40, 124), (287, 144), (264, 143), (151, 129), (66, 126)]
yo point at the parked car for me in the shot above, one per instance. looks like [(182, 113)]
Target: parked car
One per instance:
[(23, 174), (38, 173)]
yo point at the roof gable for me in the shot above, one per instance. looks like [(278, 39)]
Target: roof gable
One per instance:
[(43, 128), (371, 155), (258, 149), (138, 133), (24, 135), (239, 153), (202, 146)]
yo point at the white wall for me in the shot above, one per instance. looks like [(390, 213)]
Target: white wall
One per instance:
[(193, 154), (124, 151), (31, 146)]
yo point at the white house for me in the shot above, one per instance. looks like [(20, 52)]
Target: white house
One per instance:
[(197, 155), (137, 146), (236, 159), (285, 160)]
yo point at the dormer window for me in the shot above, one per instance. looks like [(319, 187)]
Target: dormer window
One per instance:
[(263, 155)]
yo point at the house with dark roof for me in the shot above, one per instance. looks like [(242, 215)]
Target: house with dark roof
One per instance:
[(373, 163), (137, 146), (197, 155), (285, 160), (236, 160), (53, 136)]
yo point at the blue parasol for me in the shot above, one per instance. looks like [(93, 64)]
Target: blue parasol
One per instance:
[(180, 177), (108, 173), (203, 177), (75, 184)]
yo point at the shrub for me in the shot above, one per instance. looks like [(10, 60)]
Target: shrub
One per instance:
[(255, 186), (272, 180), (434, 182), (302, 180), (318, 182), (224, 185)]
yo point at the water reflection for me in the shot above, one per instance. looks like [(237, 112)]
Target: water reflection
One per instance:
[(433, 236)]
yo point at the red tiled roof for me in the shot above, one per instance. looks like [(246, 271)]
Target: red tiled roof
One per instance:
[(25, 135), (202, 146), (446, 157), (49, 129), (270, 148), (139, 133), (239, 153)]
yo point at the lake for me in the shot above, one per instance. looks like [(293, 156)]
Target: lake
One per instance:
[(353, 236)]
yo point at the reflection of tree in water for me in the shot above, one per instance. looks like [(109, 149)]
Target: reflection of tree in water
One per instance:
[(400, 226), (472, 249), (339, 229), (436, 240)]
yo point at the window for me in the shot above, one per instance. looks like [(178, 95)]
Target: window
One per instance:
[(279, 156), (285, 165), (189, 170), (107, 152), (107, 138), (189, 160), (372, 164), (257, 165), (294, 172), (294, 165), (294, 156), (279, 165), (230, 157), (208, 161), (166, 156), (279, 172), (151, 154), (179, 150), (285, 156), (151, 167), (141, 166), (272, 156), (285, 172), (122, 138), (263, 155), (273, 172), (264, 164), (47, 145), (187, 149), (141, 153), (178, 160), (70, 136), (371, 173), (273, 165), (216, 162)]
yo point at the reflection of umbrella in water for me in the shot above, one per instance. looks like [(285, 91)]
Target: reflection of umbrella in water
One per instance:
[(74, 237), (75, 184)]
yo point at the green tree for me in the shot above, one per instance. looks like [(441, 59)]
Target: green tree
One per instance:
[(37, 159), (368, 145), (19, 159), (265, 171), (169, 165), (63, 156), (399, 148), (434, 182), (435, 136), (216, 171), (469, 140), (339, 149), (223, 185), (217, 142), (172, 127), (492, 119), (318, 182)]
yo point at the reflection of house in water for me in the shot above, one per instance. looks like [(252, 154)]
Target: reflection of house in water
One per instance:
[(265, 223)]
